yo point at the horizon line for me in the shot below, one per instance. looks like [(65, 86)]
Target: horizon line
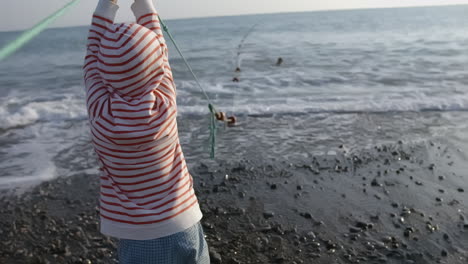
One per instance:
[(268, 13)]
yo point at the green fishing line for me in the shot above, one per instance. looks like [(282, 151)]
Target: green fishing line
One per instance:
[(210, 105), (28, 35)]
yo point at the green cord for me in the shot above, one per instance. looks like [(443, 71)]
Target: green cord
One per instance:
[(28, 35), (212, 132), (210, 105), (165, 28)]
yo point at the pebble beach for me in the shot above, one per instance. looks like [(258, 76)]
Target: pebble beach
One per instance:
[(400, 202)]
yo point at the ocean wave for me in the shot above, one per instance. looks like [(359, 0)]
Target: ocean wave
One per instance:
[(333, 105), (17, 113)]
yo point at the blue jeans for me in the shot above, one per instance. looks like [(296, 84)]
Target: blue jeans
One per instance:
[(186, 247)]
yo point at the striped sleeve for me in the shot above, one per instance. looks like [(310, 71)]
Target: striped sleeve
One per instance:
[(146, 15), (102, 20)]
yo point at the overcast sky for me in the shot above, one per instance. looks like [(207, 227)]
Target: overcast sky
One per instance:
[(21, 14)]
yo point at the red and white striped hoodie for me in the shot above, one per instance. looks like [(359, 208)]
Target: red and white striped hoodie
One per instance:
[(146, 189)]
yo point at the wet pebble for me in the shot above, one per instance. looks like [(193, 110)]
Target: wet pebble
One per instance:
[(215, 257), (364, 226), (311, 235), (319, 223), (405, 212), (387, 239), (408, 231), (306, 215), (268, 214), (207, 225), (354, 237), (375, 183), (430, 227)]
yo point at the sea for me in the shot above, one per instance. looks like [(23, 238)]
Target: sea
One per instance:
[(356, 77)]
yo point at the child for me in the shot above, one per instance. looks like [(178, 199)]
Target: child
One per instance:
[(147, 198)]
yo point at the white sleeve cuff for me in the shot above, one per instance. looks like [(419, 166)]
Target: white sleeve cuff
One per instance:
[(143, 7), (106, 9)]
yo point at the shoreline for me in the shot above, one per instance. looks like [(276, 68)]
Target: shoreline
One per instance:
[(394, 203)]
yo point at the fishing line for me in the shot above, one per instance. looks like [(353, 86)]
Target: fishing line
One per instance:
[(28, 35), (241, 44), (239, 53), (214, 115)]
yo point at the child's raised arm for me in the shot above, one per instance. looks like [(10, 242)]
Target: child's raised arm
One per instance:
[(146, 15), (102, 21)]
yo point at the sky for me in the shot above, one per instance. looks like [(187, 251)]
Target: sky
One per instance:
[(22, 14)]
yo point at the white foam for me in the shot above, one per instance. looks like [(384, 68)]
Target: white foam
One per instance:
[(337, 104), (15, 112), (30, 161)]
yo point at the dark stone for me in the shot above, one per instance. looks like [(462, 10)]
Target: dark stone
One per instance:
[(311, 235), (306, 215), (375, 183), (330, 245), (220, 211), (215, 257), (408, 231), (268, 214), (362, 225)]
